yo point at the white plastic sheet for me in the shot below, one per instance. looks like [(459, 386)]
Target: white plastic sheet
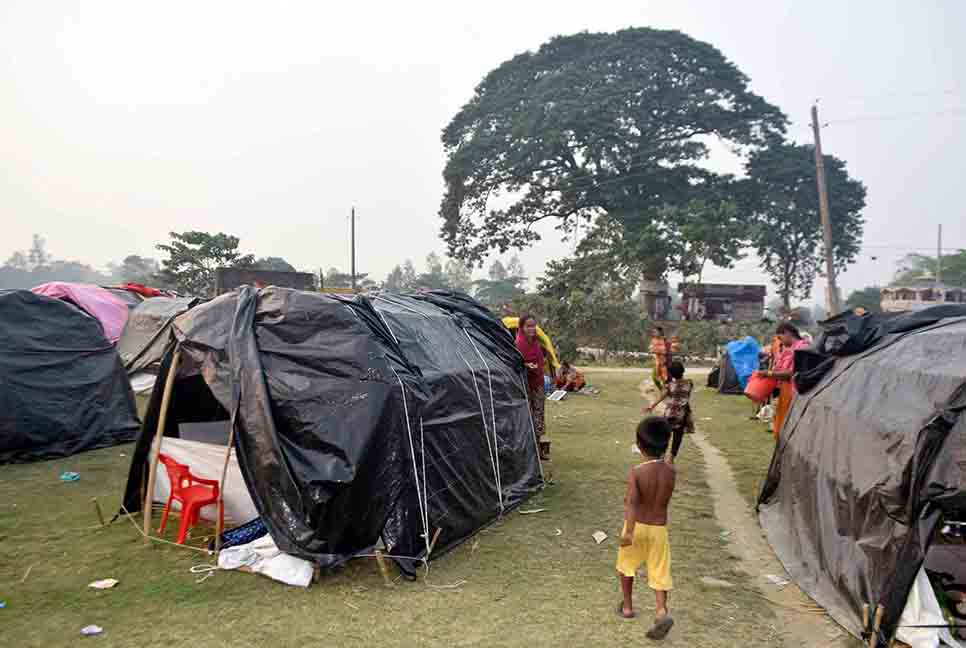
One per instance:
[(206, 460), (922, 609)]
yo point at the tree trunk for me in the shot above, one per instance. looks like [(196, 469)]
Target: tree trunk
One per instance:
[(654, 297)]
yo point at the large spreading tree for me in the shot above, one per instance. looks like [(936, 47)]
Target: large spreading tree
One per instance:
[(601, 129), (193, 258), (783, 199)]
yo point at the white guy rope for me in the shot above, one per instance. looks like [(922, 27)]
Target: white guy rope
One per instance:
[(412, 447), (486, 433), (496, 442)]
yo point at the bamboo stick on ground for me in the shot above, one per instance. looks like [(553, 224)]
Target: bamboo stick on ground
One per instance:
[(97, 509)]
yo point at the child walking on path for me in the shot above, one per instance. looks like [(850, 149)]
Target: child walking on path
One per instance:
[(677, 393), (644, 540)]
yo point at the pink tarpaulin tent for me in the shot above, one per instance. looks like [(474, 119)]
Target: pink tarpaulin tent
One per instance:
[(97, 302)]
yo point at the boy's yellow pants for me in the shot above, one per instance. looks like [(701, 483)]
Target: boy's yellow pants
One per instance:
[(650, 547)]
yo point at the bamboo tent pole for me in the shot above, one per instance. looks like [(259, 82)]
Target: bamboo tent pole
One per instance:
[(156, 444), (219, 525)]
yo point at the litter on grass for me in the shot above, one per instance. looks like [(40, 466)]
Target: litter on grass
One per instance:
[(69, 476), (91, 630), (3, 604), (532, 511), (104, 583), (599, 536), (558, 533), (777, 581)]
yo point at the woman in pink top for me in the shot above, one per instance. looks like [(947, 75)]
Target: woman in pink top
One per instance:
[(783, 368)]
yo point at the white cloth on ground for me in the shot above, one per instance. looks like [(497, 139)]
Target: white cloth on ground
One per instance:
[(263, 556)]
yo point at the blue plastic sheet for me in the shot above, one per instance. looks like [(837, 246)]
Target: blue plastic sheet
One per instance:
[(744, 358)]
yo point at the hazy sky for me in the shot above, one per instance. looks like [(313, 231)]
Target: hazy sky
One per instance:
[(121, 121)]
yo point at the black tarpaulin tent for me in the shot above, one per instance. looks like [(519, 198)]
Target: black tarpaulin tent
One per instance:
[(728, 382), (871, 457), (402, 418), (62, 387), (146, 332)]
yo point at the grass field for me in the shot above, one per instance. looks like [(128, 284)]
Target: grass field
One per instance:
[(747, 444), (519, 583)]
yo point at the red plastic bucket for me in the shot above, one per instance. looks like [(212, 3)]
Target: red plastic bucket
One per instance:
[(759, 387)]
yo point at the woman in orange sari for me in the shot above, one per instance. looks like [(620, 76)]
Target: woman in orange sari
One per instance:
[(660, 348), (787, 341)]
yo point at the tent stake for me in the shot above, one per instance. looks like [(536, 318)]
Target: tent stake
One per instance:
[(382, 568), (97, 509), (432, 545), (156, 444)]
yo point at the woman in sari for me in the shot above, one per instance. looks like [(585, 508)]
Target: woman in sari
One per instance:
[(529, 347), (788, 340), (660, 348)]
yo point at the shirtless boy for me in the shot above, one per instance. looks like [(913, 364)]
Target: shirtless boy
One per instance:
[(644, 539)]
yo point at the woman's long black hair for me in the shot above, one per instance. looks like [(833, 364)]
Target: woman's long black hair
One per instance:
[(788, 327)]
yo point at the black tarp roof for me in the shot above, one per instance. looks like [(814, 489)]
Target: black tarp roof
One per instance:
[(358, 419), (146, 334), (869, 459), (62, 387)]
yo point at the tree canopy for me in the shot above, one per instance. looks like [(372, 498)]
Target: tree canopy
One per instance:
[(709, 231), (599, 128), (781, 195), (919, 266), (869, 298), (28, 268), (136, 269), (402, 278), (501, 287), (274, 263), (193, 258)]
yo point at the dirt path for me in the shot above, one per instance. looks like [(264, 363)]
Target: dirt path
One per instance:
[(804, 624)]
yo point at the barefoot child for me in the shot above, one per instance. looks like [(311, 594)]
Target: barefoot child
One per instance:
[(677, 393), (644, 539)]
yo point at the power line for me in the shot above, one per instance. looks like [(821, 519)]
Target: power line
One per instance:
[(956, 111), (900, 94)]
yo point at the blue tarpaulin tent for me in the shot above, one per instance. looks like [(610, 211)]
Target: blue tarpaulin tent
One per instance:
[(737, 364)]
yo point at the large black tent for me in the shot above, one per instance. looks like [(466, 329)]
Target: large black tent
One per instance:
[(62, 387), (871, 457), (400, 418), (146, 332)]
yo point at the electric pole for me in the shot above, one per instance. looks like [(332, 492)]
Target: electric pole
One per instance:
[(833, 291), (939, 257), (353, 245)]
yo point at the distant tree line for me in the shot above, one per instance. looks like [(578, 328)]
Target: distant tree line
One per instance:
[(192, 258)]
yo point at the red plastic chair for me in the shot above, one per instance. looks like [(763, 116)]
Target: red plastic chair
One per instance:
[(192, 492)]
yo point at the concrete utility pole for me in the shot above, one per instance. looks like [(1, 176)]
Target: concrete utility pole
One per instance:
[(353, 244), (939, 257), (833, 292)]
